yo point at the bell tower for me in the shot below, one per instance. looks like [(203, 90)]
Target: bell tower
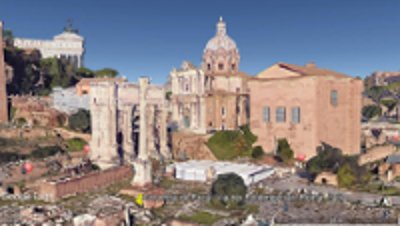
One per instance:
[(3, 83)]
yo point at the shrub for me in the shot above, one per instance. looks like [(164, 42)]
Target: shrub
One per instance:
[(328, 158), (346, 167), (371, 111), (228, 185), (345, 175), (257, 152), (248, 135), (284, 152), (10, 157), (75, 144), (43, 152), (228, 145), (20, 121), (80, 121)]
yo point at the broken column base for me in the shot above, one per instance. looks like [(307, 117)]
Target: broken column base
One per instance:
[(142, 175)]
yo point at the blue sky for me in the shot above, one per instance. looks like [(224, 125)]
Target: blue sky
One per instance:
[(150, 37)]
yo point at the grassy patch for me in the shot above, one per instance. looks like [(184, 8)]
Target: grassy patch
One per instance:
[(75, 144), (202, 218)]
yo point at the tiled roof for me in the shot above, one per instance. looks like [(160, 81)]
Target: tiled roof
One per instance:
[(310, 69)]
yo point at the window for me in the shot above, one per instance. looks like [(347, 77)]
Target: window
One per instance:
[(266, 116), (334, 97), (280, 114), (296, 115), (209, 67), (223, 111), (233, 66), (221, 66)]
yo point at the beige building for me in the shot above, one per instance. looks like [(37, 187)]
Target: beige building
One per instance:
[(306, 105), (214, 97), (68, 45)]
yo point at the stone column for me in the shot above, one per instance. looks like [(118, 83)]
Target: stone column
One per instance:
[(3, 83), (165, 152), (150, 122), (142, 165), (202, 117), (143, 152)]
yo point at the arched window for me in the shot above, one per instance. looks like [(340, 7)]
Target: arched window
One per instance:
[(220, 66), (233, 66), (209, 67)]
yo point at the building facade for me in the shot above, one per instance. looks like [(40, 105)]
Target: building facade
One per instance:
[(128, 122), (308, 106), (188, 98), (68, 45), (214, 97), (3, 82)]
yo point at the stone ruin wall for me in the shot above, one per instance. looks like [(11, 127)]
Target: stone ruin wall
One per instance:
[(55, 190), (37, 111)]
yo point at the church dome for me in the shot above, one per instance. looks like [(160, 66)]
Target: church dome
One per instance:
[(221, 55), (221, 39)]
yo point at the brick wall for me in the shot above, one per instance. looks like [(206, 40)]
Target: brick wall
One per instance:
[(54, 190)]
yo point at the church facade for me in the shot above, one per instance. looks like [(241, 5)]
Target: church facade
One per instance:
[(214, 96)]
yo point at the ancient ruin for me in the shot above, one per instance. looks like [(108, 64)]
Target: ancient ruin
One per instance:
[(129, 124)]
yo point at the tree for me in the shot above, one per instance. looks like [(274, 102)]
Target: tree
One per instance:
[(345, 175), (376, 93), (80, 121), (371, 111), (228, 190), (328, 158), (257, 152), (106, 72), (389, 103), (284, 152), (83, 72), (8, 37)]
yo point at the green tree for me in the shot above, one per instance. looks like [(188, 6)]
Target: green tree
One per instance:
[(389, 103), (284, 152), (257, 152), (228, 190), (8, 37), (249, 136), (376, 93), (106, 72), (346, 176), (83, 72), (327, 159), (80, 121), (371, 111)]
